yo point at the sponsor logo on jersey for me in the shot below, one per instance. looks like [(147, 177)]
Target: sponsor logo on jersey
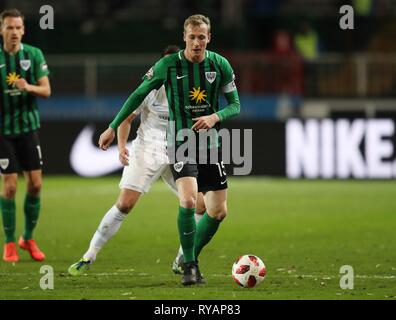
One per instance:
[(197, 109), (178, 166), (210, 76), (4, 163), (12, 77), (13, 92), (25, 64), (197, 95), (181, 77)]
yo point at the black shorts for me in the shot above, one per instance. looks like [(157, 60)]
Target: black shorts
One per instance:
[(210, 177), (20, 152)]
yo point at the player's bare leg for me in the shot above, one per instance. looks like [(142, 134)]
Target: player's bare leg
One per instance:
[(108, 227)]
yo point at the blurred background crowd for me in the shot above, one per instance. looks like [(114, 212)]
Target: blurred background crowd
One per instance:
[(287, 54)]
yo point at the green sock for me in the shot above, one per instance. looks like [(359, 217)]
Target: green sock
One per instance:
[(8, 214), (32, 210), (186, 224), (206, 229)]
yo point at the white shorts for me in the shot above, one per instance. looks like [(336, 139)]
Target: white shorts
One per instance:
[(146, 165)]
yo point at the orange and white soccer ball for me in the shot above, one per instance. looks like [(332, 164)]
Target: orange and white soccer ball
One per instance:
[(248, 271)]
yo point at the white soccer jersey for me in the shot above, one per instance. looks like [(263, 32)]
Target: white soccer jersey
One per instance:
[(153, 118), (148, 158)]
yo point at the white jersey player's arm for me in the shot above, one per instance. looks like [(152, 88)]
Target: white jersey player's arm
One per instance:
[(122, 138), (124, 129)]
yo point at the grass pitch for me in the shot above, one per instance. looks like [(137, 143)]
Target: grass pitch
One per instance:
[(303, 230)]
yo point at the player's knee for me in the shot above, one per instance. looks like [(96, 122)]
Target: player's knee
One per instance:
[(127, 200), (188, 202), (219, 213), (200, 209), (34, 187), (125, 206), (10, 190)]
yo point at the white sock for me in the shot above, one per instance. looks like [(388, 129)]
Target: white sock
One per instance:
[(197, 218), (108, 227)]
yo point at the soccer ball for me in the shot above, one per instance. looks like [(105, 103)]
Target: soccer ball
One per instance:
[(248, 271)]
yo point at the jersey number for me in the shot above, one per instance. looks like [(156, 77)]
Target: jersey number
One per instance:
[(221, 168), (39, 152)]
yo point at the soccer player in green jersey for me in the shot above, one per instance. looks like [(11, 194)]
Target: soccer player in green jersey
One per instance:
[(24, 76), (193, 79), (145, 161)]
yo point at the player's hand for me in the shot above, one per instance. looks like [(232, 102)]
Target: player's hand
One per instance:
[(21, 84), (123, 156), (106, 138), (205, 122)]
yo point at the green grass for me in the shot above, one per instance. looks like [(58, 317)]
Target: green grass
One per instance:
[(303, 230)]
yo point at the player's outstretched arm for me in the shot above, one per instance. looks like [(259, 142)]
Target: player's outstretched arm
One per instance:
[(122, 138), (132, 103), (153, 79)]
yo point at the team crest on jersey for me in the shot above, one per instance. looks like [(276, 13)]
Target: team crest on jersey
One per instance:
[(178, 166), (210, 76), (4, 163), (149, 74), (25, 64)]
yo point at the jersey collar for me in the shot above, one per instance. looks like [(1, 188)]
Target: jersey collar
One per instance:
[(183, 58), (21, 48)]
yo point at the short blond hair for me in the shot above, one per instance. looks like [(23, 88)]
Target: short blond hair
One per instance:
[(197, 20)]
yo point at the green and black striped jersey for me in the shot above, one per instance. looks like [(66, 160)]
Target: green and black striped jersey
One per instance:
[(192, 89), (18, 109)]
